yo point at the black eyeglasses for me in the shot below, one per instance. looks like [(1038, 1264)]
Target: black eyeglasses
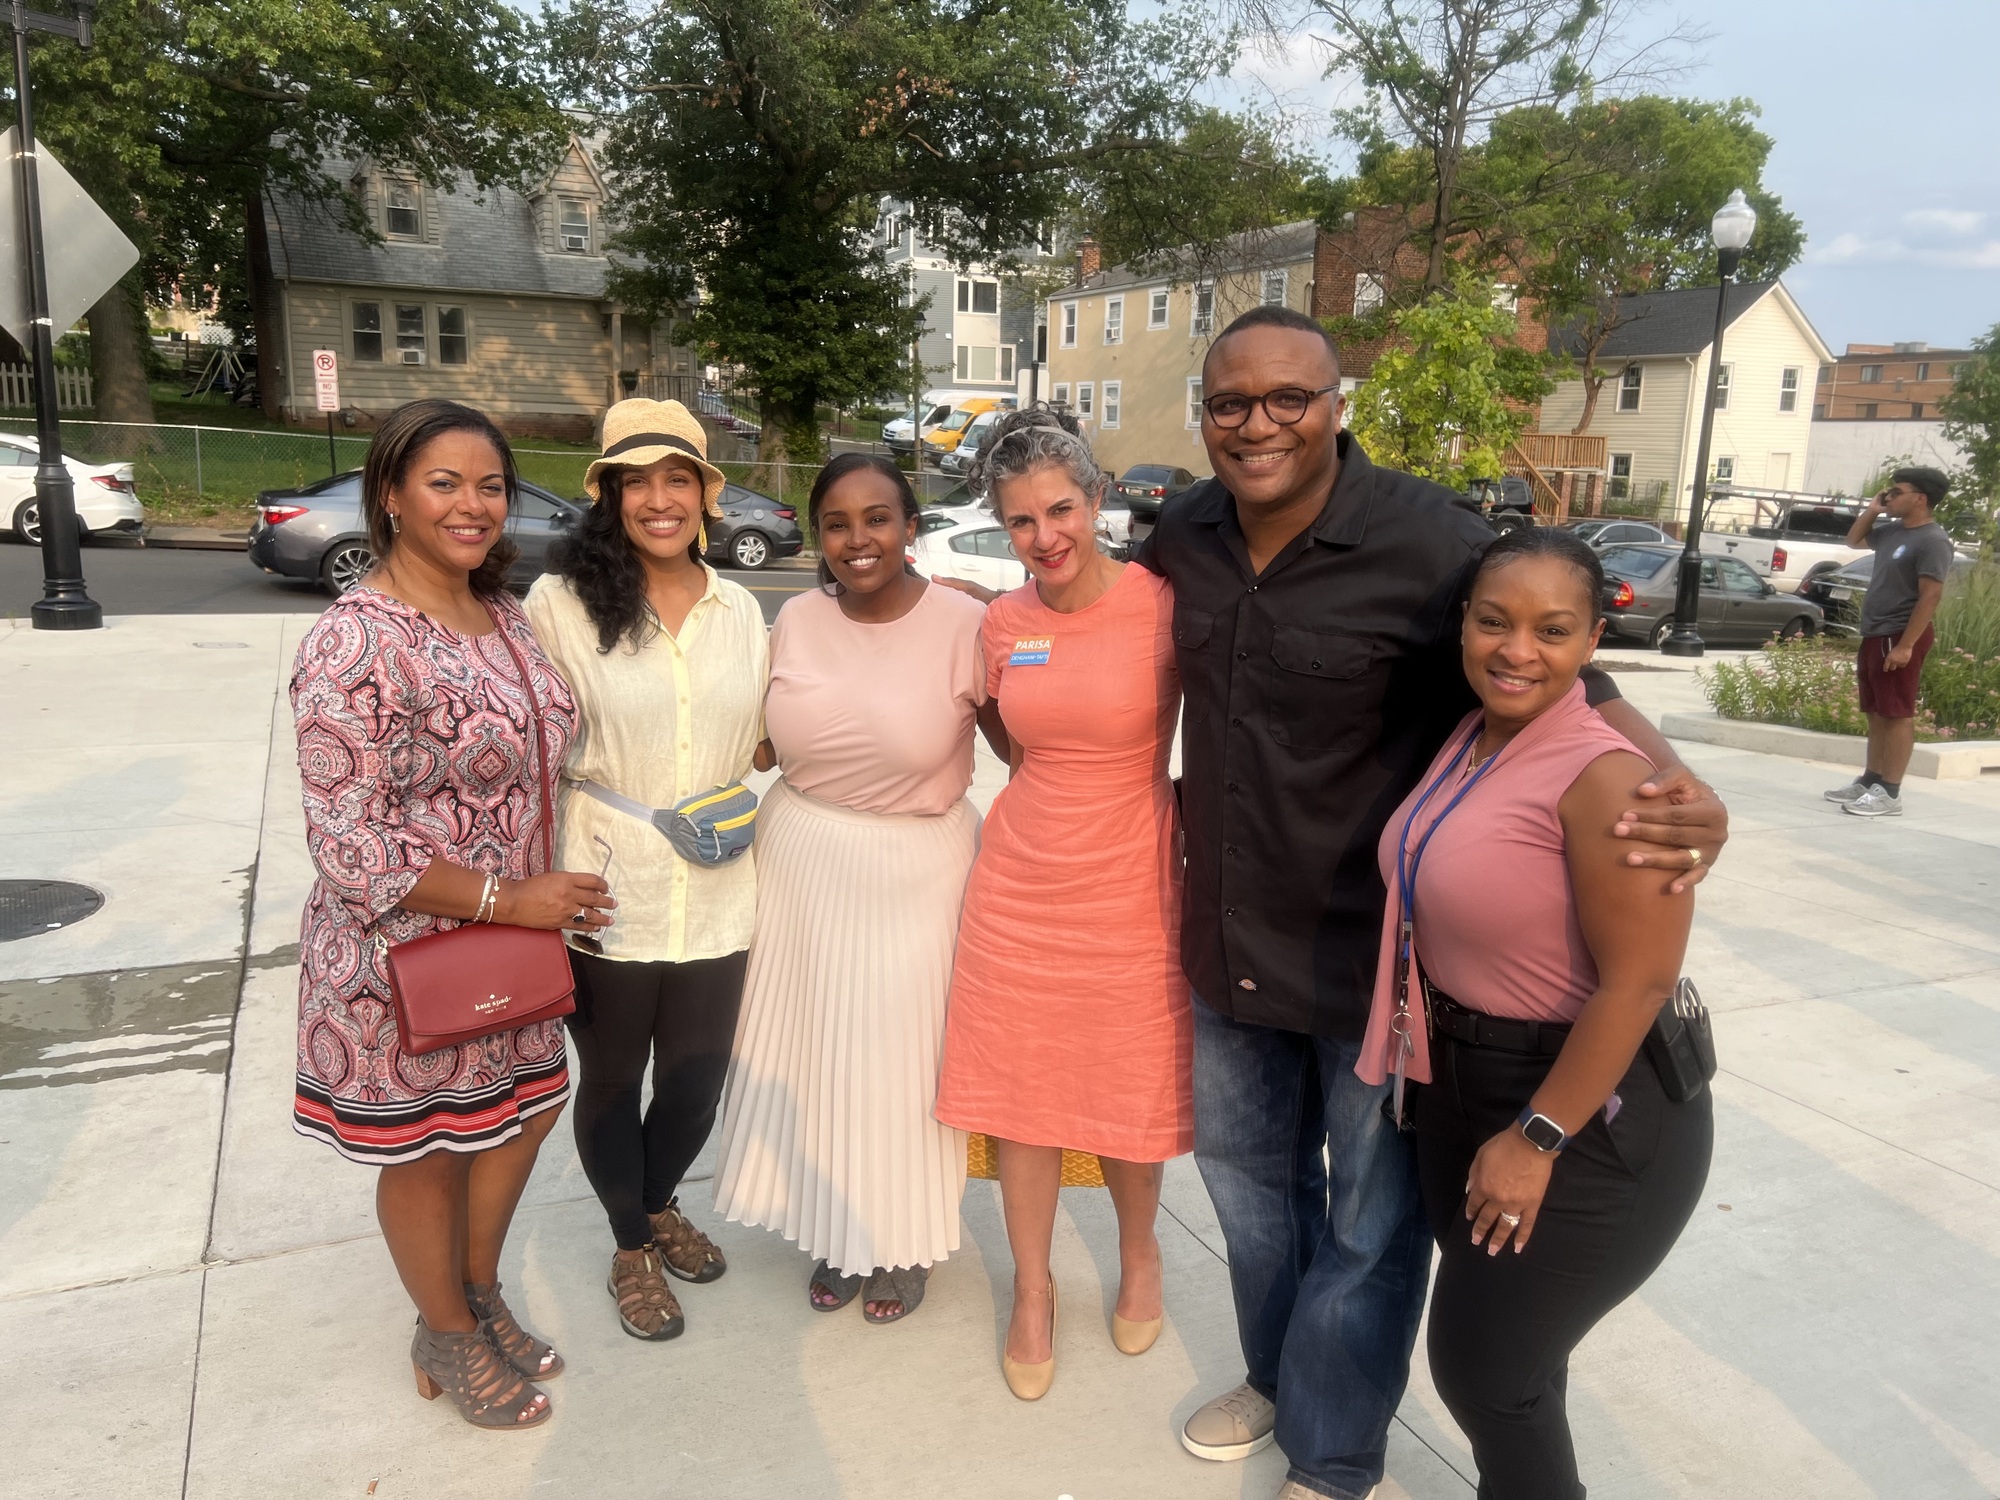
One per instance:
[(1286, 405)]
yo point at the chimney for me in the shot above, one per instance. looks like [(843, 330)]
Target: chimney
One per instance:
[(1089, 259)]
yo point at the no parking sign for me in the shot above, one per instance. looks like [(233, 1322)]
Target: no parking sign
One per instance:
[(326, 380)]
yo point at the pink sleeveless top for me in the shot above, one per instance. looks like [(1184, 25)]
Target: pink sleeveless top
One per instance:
[(1496, 925)]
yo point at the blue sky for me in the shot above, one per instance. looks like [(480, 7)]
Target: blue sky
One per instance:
[(1886, 147)]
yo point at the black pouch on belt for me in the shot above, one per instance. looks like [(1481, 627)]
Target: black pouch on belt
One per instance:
[(1682, 1045)]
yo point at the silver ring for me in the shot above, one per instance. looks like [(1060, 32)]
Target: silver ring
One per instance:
[(1510, 1220), (580, 918)]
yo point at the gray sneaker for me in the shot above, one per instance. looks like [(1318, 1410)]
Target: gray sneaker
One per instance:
[(1232, 1426), (1293, 1490), (1876, 802), (1852, 792)]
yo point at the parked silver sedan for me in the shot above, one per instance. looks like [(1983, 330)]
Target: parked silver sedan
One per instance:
[(1738, 608)]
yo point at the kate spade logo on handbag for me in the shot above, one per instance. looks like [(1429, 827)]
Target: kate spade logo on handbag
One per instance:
[(492, 1002)]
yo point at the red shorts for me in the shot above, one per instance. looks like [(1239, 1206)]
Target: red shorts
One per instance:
[(1893, 695)]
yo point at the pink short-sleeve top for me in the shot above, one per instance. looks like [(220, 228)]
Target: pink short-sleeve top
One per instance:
[(877, 718), (1494, 913)]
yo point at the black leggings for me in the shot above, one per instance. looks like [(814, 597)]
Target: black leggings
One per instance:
[(1502, 1326), (684, 1017)]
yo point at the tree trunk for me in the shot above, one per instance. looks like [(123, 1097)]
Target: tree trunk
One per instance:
[(265, 320), (1592, 384), (118, 359), (790, 439)]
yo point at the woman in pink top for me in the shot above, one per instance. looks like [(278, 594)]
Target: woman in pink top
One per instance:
[(862, 853), (1052, 1042), (1542, 957)]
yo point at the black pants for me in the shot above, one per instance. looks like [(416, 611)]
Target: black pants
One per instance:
[(1502, 1326), (682, 1016)]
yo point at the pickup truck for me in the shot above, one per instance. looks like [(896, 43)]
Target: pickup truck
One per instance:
[(1803, 537)]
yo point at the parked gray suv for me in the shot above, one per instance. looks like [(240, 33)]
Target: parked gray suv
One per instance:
[(316, 532)]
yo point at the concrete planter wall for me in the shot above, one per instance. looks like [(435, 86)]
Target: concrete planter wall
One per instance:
[(1959, 760)]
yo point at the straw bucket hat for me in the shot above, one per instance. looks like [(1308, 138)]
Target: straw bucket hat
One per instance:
[(639, 432)]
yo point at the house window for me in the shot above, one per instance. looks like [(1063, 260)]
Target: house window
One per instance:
[(368, 332), (1114, 319), (1825, 374), (1062, 393), (1113, 393), (1506, 296), (1621, 476), (1084, 402), (1867, 410), (1923, 370), (1276, 284), (1871, 374), (410, 338), (1722, 387), (1725, 470), (405, 220), (1916, 410), (1788, 389), (1628, 388), (979, 362), (1194, 401), (1204, 309), (453, 344), (1957, 371), (978, 296), (1156, 308), (1369, 295), (1007, 362), (1069, 325), (1041, 343), (575, 229)]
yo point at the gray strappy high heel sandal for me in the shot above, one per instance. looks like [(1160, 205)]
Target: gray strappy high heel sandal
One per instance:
[(488, 1392), (535, 1358)]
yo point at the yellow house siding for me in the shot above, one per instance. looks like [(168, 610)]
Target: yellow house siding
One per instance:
[(525, 354), (1654, 435), (1152, 366), (1756, 349)]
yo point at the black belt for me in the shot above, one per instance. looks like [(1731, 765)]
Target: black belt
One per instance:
[(1477, 1029)]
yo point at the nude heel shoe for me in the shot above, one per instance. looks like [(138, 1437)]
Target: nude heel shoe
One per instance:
[(1032, 1382), (1135, 1338)]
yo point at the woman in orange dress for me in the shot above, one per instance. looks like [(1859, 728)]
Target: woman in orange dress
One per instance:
[(1051, 1043)]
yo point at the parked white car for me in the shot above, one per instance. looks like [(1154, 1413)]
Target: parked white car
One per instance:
[(966, 542), (105, 502)]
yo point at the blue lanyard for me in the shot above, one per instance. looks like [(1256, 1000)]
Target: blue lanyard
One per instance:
[(1408, 860)]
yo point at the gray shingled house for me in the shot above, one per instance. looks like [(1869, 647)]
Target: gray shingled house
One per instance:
[(493, 298)]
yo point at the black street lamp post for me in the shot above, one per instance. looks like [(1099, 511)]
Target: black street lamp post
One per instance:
[(1732, 227), (64, 604)]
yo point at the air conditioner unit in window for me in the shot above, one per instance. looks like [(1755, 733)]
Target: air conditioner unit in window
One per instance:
[(412, 356), (576, 242)]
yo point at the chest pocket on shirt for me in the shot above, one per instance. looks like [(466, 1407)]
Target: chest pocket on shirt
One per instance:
[(1192, 628), (1323, 686)]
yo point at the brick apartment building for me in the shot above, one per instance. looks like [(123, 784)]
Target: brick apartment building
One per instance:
[(1886, 383)]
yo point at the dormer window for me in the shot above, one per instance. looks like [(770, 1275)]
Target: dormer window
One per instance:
[(404, 215), (574, 226)]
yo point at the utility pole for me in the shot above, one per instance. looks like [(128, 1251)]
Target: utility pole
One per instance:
[(64, 605)]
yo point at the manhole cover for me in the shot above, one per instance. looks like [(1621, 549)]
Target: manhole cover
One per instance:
[(31, 907)]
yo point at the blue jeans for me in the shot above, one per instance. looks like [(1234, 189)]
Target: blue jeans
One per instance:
[(1329, 1270)]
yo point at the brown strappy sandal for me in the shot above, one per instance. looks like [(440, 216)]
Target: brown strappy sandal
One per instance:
[(647, 1308), (689, 1254), (468, 1367), (533, 1357)]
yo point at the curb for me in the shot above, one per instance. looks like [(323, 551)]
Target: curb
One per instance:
[(1963, 760), (197, 539)]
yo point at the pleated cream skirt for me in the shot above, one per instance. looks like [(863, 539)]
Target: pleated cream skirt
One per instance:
[(827, 1135)]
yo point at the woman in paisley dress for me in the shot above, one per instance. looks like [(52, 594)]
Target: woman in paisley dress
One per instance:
[(423, 811)]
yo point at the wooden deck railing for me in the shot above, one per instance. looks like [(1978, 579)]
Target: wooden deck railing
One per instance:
[(1562, 450)]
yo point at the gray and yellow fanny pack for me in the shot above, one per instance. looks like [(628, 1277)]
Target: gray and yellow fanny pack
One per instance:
[(709, 828)]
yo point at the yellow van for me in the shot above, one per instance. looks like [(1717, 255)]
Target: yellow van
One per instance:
[(942, 439)]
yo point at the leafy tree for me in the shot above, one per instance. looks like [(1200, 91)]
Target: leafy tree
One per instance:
[(1453, 391), (1971, 512), (1439, 73), (754, 141)]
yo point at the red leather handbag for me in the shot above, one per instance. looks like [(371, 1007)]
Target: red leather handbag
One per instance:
[(457, 986)]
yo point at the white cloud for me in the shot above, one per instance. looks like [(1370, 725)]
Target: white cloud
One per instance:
[(1852, 249), (1951, 221)]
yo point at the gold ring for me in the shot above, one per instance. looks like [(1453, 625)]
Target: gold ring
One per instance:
[(1694, 858)]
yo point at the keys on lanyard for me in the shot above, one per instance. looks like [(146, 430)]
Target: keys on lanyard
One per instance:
[(1402, 1024)]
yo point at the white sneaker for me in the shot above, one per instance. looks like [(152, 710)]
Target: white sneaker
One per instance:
[(1876, 802), (1231, 1426), (1852, 792)]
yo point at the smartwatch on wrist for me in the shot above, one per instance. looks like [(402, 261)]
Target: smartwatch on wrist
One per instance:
[(1543, 1133)]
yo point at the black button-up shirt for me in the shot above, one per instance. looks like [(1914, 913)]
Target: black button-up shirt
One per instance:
[(1317, 693)]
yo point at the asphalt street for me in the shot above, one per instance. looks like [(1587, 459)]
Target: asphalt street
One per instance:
[(130, 580)]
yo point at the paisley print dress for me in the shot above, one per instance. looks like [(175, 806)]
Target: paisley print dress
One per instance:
[(413, 746)]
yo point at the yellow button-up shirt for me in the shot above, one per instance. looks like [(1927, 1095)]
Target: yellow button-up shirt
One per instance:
[(681, 714)]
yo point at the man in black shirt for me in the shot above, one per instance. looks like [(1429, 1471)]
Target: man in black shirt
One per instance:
[(1316, 622)]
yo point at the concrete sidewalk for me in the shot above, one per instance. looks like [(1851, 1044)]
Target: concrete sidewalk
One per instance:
[(199, 1303)]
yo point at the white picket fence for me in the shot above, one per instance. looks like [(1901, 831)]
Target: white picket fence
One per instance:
[(17, 388)]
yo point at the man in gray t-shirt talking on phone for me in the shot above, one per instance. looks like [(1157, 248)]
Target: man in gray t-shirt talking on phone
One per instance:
[(1913, 557)]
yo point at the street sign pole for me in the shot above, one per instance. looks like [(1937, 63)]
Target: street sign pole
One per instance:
[(64, 605), (326, 392)]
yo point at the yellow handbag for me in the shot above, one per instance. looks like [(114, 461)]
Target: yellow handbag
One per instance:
[(1079, 1168)]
